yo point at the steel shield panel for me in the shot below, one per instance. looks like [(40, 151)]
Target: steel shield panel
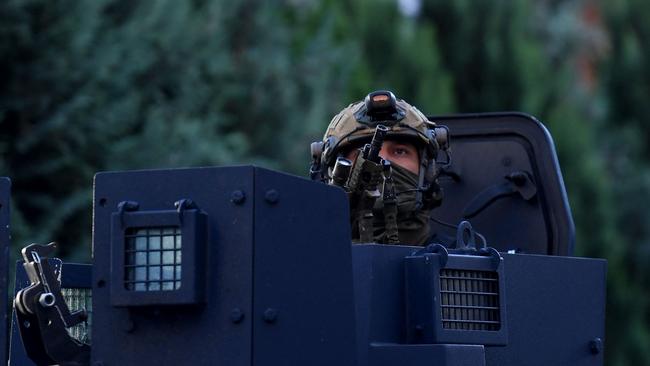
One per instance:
[(304, 307), (206, 334), (555, 308), (487, 147)]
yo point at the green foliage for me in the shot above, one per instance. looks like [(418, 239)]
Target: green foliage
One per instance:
[(108, 85), (397, 54), (626, 75)]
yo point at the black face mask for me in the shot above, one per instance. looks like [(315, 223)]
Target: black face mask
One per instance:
[(412, 223)]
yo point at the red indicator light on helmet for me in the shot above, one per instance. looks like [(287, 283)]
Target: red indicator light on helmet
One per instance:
[(381, 106), (380, 98)]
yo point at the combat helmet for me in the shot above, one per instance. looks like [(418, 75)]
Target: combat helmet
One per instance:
[(355, 125)]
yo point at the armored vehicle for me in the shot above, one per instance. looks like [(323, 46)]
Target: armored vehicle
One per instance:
[(247, 266)]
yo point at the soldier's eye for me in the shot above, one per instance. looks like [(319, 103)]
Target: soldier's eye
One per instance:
[(401, 151)]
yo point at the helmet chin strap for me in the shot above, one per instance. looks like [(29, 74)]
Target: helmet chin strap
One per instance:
[(427, 183), (421, 179)]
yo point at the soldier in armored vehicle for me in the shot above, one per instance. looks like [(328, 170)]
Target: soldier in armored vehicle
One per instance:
[(393, 189)]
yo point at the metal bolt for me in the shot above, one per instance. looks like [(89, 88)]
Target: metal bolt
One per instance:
[(236, 315), (506, 161), (237, 197), (27, 324), (596, 346), (46, 300), (272, 196), (270, 315)]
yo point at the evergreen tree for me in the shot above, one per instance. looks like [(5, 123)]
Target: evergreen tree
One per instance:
[(112, 84), (627, 79)]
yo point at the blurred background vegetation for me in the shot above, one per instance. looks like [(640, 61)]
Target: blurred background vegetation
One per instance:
[(87, 86)]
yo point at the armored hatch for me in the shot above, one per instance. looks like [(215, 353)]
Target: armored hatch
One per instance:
[(505, 178)]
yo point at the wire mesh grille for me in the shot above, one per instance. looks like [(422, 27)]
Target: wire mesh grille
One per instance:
[(469, 300), (77, 299), (153, 259)]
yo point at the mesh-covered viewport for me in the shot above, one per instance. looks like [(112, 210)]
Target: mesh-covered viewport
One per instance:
[(78, 299), (469, 300), (153, 259)]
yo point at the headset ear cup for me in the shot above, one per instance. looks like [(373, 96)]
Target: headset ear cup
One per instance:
[(441, 135), (315, 169), (316, 150), (432, 145), (328, 150)]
